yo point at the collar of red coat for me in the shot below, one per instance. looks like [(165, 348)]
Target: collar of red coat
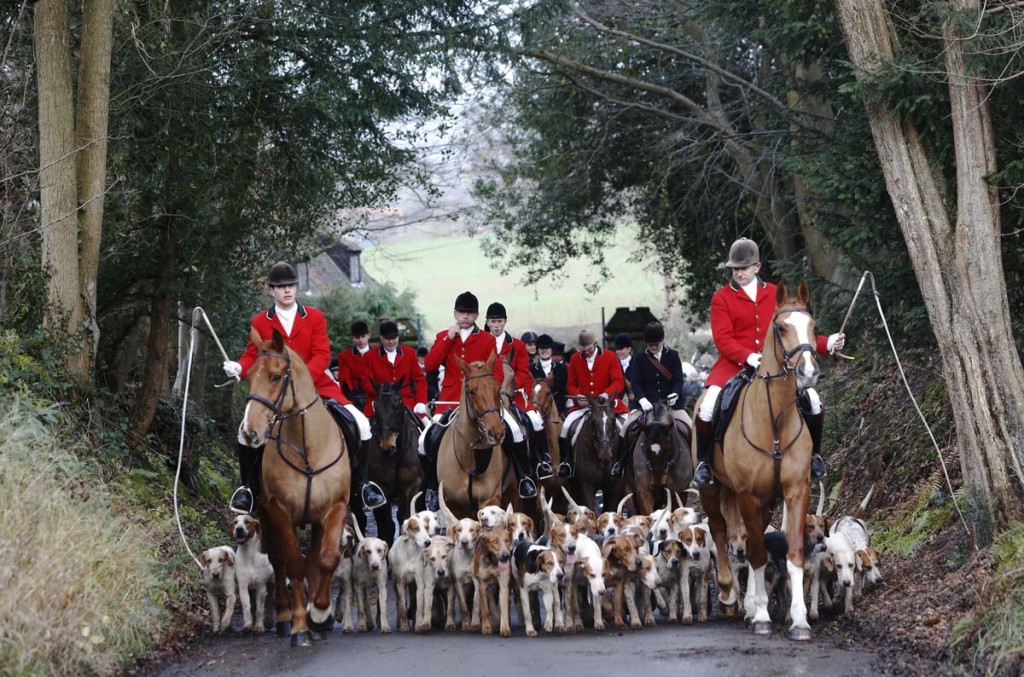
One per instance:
[(383, 353), (272, 311), (761, 284)]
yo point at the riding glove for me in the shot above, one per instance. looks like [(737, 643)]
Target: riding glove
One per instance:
[(836, 342), (672, 399), (645, 404), (754, 360), (232, 368), (420, 409)]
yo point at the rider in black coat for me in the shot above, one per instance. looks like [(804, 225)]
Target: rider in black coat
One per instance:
[(545, 365)]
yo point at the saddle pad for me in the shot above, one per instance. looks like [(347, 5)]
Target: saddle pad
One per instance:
[(726, 404)]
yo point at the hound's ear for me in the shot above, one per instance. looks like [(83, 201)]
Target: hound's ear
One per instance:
[(803, 293), (859, 560), (655, 547), (531, 560), (780, 293), (231, 558), (828, 563), (204, 559)]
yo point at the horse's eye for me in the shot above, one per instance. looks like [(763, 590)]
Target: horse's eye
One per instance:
[(275, 378)]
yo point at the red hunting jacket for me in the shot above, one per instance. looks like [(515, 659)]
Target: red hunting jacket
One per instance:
[(606, 377), (740, 326), (352, 372), (477, 348), (514, 352), (308, 339), (406, 368)]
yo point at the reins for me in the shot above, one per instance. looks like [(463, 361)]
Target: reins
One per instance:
[(477, 417), (276, 424)]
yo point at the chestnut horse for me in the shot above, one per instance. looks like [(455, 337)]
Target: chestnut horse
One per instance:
[(305, 480), (473, 438), (393, 458), (661, 457), (543, 400), (766, 453)]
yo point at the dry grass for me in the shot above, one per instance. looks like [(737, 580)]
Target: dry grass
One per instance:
[(80, 590)]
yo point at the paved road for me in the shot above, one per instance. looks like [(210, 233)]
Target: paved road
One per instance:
[(719, 648)]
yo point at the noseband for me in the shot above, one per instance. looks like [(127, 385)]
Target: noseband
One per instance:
[(275, 406), (788, 355), (477, 416)]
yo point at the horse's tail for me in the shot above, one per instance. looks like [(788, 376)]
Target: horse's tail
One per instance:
[(864, 504)]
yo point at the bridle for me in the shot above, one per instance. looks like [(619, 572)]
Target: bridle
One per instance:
[(281, 416), (787, 355), (599, 436), (673, 435), (477, 416)]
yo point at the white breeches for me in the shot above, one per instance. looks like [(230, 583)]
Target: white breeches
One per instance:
[(571, 418), (535, 419), (513, 425), (362, 422), (707, 405)]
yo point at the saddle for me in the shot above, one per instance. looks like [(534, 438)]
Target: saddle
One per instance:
[(346, 423), (432, 442), (726, 404)]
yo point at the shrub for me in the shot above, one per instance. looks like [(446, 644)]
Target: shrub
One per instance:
[(80, 586)]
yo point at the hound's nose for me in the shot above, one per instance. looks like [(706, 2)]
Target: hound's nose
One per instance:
[(611, 531), (505, 557), (663, 533), (571, 548), (560, 575)]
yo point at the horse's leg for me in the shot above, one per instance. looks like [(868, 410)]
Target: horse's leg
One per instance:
[(710, 498), (797, 499), (293, 563), (644, 499), (385, 523), (751, 510), (329, 556)]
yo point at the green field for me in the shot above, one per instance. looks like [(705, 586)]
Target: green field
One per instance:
[(438, 270)]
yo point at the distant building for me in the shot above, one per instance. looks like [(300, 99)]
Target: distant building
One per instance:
[(626, 321), (337, 266)]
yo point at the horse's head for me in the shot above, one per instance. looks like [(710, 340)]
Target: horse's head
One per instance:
[(271, 388), (388, 414), (481, 399), (792, 337), (603, 427), (659, 446), (540, 393)]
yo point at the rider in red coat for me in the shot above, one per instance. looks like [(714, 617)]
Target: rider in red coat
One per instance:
[(391, 363), (592, 372), (352, 365), (305, 331), (741, 315), (462, 338)]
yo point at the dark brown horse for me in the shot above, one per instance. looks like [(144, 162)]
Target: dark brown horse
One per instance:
[(767, 454), (470, 462), (593, 454), (393, 458), (543, 400), (305, 480), (661, 457)]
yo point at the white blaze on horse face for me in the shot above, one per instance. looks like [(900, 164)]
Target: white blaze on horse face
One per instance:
[(800, 322), (243, 427)]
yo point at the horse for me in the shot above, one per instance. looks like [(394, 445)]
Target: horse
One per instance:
[(305, 480), (393, 458), (593, 452), (473, 439), (766, 453), (661, 457), (543, 400)]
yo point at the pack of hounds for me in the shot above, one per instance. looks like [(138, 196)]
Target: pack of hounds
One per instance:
[(583, 569)]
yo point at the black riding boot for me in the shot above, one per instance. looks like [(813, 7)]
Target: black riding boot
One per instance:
[(815, 425), (619, 467), (243, 501), (702, 475), (544, 468), (527, 488), (372, 495), (565, 469), (429, 466)]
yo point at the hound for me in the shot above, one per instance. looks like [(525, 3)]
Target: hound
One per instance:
[(698, 546), (252, 570), (840, 558), (343, 577), (218, 568), (405, 560), (369, 570), (668, 556), (437, 572), (643, 585), (611, 523), (589, 571), (464, 534), (492, 517), (859, 537), (491, 568), (520, 526), (539, 569), (623, 557), (582, 516)]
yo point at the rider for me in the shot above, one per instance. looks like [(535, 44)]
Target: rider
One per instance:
[(352, 366), (656, 374), (390, 363), (433, 387), (741, 314), (624, 351), (462, 338), (545, 365), (592, 372), (305, 331), (513, 351), (529, 339)]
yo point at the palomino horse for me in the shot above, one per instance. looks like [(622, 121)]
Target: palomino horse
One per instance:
[(305, 480), (768, 454), (393, 458), (473, 439), (543, 400), (593, 453), (661, 457)]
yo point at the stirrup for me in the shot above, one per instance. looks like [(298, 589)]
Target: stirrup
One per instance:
[(817, 467), (710, 478), (565, 470), (369, 500), (239, 498), (618, 469), (544, 470), (430, 499), (525, 486)]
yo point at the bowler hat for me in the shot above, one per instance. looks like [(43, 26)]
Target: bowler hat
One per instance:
[(467, 303), (282, 274), (743, 253), (585, 339)]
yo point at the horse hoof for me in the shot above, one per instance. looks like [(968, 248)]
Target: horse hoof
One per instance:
[(728, 610), (761, 627), (283, 628), (800, 634), (302, 639), (326, 625)]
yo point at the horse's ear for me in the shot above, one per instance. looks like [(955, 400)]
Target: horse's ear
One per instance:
[(461, 364), (780, 293), (277, 342), (490, 360), (399, 382), (255, 337), (803, 293), (550, 378)]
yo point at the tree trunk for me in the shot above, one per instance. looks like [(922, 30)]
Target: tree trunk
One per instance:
[(92, 119), (958, 265), (58, 193)]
